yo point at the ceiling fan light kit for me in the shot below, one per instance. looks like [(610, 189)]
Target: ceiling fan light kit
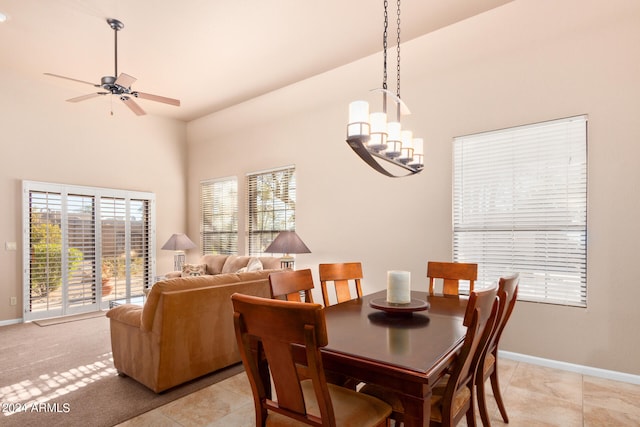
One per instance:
[(120, 86)]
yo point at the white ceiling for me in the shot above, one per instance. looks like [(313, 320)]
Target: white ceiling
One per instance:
[(210, 54)]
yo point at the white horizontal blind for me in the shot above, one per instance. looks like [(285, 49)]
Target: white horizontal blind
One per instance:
[(84, 247), (219, 216), (520, 205), (81, 233), (46, 260), (271, 206), (141, 266)]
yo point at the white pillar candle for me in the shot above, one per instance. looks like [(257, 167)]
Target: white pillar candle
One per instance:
[(358, 111), (358, 119), (399, 287)]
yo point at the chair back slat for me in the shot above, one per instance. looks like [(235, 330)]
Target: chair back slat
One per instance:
[(341, 274), (451, 273), (289, 283)]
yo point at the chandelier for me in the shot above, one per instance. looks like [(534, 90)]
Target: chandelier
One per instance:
[(372, 137)]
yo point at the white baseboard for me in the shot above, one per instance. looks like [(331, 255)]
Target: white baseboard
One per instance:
[(10, 322), (586, 370)]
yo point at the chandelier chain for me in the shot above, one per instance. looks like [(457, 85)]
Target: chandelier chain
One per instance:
[(384, 45), (398, 50)]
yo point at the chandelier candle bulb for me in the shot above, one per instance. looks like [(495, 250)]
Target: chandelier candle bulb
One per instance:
[(394, 130), (378, 139), (394, 139), (358, 119), (406, 153), (399, 287), (418, 152)]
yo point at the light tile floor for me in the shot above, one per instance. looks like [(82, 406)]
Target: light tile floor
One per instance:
[(534, 396)]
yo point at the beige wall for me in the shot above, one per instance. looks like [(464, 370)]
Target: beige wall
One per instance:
[(525, 62), (47, 139)]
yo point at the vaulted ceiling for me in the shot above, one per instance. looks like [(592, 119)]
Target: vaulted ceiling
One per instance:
[(209, 54)]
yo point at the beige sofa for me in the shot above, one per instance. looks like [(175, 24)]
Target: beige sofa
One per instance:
[(185, 328), (222, 264)]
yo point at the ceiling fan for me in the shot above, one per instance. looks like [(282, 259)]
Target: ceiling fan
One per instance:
[(120, 86)]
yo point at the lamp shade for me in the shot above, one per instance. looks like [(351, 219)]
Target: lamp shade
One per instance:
[(179, 242), (288, 242)]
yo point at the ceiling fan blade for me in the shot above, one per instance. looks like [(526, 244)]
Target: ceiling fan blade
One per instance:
[(89, 96), (157, 98), (129, 102), (125, 80), (70, 78)]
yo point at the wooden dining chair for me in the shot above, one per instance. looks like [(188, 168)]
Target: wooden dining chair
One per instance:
[(451, 273), (288, 285), (488, 365), (454, 394), (271, 330), (340, 274)]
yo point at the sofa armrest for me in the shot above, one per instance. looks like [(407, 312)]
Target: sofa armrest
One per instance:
[(128, 314), (173, 274)]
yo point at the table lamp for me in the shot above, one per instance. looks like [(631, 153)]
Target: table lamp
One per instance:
[(286, 243), (179, 243)]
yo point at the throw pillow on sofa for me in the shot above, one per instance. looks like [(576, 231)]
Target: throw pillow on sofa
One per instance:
[(254, 264), (189, 270)]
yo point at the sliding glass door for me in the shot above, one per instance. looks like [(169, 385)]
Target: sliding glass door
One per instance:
[(84, 248)]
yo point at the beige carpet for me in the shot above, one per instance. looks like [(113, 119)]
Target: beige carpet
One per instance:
[(63, 375)]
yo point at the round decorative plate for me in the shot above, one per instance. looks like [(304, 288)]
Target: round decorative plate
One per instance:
[(399, 309)]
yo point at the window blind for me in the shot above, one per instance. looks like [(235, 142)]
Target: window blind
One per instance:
[(271, 206), (520, 205), (81, 232), (219, 216), (84, 247)]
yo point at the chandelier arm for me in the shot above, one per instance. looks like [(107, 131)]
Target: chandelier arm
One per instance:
[(368, 157), (403, 107)]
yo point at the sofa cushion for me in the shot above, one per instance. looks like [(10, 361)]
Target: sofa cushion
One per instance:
[(235, 263), (214, 263), (270, 263), (189, 270)]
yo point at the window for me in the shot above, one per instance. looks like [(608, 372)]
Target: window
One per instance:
[(84, 247), (219, 216), (520, 205), (271, 206)]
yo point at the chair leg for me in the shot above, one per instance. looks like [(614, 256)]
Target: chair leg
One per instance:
[(482, 403), (495, 385), (471, 419)]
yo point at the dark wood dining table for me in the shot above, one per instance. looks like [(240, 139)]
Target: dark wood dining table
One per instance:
[(407, 354)]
